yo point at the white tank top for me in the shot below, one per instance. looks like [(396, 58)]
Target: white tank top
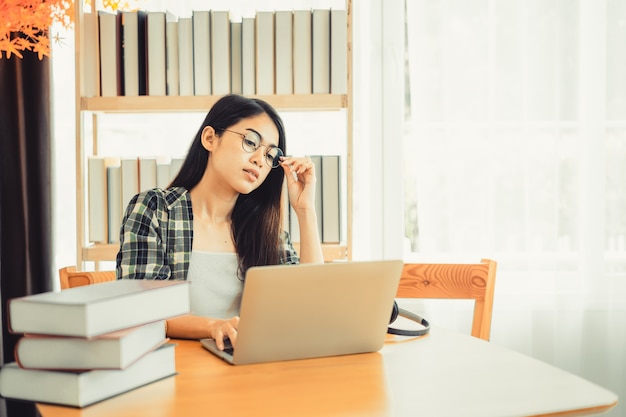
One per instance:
[(215, 288)]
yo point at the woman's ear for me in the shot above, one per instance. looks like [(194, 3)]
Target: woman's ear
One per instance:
[(209, 138)]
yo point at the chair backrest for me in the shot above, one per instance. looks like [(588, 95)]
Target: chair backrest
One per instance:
[(69, 277), (454, 281)]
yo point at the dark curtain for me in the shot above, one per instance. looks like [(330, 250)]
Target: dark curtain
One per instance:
[(25, 201)]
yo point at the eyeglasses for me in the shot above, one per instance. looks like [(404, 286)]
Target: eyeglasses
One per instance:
[(251, 141)]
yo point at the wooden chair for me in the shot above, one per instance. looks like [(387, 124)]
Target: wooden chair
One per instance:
[(69, 277), (454, 281)]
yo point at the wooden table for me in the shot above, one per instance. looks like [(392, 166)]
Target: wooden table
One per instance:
[(443, 374)]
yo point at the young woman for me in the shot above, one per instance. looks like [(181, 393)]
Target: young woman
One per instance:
[(222, 215)]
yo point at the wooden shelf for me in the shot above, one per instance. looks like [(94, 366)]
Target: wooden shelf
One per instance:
[(108, 252), (96, 106), (153, 104)]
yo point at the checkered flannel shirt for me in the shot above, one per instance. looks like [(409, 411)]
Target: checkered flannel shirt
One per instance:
[(157, 234)]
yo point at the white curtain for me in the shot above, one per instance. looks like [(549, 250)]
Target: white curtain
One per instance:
[(515, 149)]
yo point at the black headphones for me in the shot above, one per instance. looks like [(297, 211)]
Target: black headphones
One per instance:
[(397, 311)]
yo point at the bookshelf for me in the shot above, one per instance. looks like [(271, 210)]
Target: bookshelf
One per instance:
[(94, 106)]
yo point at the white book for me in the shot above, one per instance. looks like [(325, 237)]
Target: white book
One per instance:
[(172, 61), (284, 52), (110, 55), (133, 48), (80, 389), (338, 51), (284, 207), (155, 46), (264, 53), (294, 226), (163, 176), (97, 199), (115, 350), (331, 199), (321, 51), (90, 56), (235, 58), (201, 53), (175, 166), (317, 162), (185, 56), (220, 52), (248, 56), (114, 201), (130, 179), (147, 173), (93, 310), (302, 54)]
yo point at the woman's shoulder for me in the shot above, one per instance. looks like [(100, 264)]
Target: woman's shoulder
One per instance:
[(156, 198)]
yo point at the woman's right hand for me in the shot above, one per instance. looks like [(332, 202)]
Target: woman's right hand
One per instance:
[(224, 328), (199, 327)]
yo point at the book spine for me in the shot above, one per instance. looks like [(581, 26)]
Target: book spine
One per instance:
[(185, 56), (284, 52), (147, 173), (156, 61), (163, 176), (202, 52), (265, 53), (97, 199), (90, 56), (338, 52), (220, 52), (331, 198), (130, 179), (172, 60), (109, 57), (321, 51), (133, 55), (317, 162), (114, 201), (235, 58), (302, 54), (248, 56)]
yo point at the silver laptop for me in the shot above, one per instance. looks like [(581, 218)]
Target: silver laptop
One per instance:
[(313, 310)]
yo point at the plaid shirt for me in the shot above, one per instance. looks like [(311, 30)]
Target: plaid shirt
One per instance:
[(157, 234)]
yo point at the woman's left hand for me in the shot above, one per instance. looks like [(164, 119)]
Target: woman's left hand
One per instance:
[(301, 182)]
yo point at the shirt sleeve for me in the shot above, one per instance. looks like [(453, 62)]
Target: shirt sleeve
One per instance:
[(142, 253), (288, 255)]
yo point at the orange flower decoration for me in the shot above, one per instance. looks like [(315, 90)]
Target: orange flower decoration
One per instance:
[(25, 24)]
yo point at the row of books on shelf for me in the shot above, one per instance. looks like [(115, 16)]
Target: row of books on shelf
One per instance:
[(133, 53), (328, 201), (113, 181), (83, 345)]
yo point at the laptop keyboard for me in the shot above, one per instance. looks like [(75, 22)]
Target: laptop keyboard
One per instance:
[(228, 347)]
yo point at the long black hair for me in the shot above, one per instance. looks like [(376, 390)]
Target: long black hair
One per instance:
[(256, 217)]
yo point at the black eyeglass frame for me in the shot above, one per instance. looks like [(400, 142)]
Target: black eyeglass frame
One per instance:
[(273, 161)]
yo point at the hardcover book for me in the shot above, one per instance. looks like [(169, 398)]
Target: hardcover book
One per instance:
[(115, 350), (220, 52), (284, 52), (264, 52), (171, 55), (156, 61), (185, 56), (93, 310), (80, 389), (321, 51), (201, 52), (111, 70), (302, 53), (134, 52)]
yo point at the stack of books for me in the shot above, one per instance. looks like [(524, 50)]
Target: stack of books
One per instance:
[(83, 345)]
